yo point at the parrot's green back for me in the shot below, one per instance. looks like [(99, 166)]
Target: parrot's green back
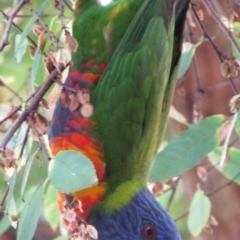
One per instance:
[(130, 101), (103, 28)]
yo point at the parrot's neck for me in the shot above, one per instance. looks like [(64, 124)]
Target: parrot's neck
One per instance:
[(110, 196), (119, 195)]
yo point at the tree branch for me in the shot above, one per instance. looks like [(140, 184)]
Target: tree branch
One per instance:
[(31, 107), (19, 29), (218, 52), (215, 16), (10, 18), (41, 144)]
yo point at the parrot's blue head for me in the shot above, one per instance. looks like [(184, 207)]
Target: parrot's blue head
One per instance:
[(142, 219)]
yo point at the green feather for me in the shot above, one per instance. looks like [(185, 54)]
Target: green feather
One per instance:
[(99, 29), (123, 195), (132, 116), (129, 115)]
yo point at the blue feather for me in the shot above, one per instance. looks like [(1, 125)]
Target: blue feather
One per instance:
[(129, 222)]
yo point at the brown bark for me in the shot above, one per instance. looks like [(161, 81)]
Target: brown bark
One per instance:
[(214, 99)]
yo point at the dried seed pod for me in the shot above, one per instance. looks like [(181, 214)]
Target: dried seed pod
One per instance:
[(200, 14), (63, 56), (8, 159), (41, 123), (45, 103), (41, 40), (37, 29), (32, 51), (69, 215), (71, 42), (92, 231), (57, 5), (233, 17), (83, 97), (86, 110), (51, 63), (229, 68), (202, 173), (158, 188), (73, 103), (235, 103), (15, 116)]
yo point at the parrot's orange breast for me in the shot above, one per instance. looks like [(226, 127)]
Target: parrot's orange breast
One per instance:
[(71, 131)]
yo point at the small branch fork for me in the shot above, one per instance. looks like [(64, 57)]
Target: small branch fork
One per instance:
[(221, 57), (207, 36), (31, 107), (10, 19), (228, 183)]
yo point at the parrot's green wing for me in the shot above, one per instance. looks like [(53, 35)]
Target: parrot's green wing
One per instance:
[(138, 82), (98, 29)]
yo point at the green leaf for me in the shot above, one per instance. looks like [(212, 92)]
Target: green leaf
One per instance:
[(35, 68), (187, 149), (227, 139), (199, 212), (50, 207), (27, 149), (30, 215), (20, 48), (1, 18), (237, 124), (27, 171), (70, 171), (176, 115), (32, 20), (11, 189), (187, 56), (231, 169), (12, 211), (236, 30), (21, 133), (4, 224), (52, 22)]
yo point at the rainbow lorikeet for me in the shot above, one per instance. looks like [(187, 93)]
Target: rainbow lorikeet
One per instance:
[(124, 74)]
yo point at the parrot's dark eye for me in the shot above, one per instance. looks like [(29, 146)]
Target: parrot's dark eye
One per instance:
[(149, 232)]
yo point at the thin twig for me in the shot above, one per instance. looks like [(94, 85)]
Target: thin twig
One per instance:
[(63, 85), (197, 116), (31, 15), (11, 114), (205, 33), (60, 16), (67, 4), (218, 52), (228, 183), (14, 93), (10, 19), (4, 197), (181, 217), (19, 29), (215, 16), (24, 143), (51, 34), (32, 106), (42, 146), (173, 193)]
